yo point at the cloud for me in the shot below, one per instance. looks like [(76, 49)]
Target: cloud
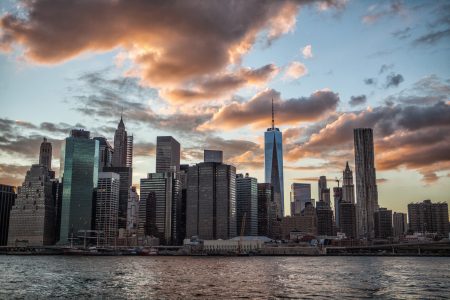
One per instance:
[(385, 68), (432, 38), (144, 149), (12, 174), (402, 34), (377, 12), (357, 100), (393, 80), (257, 111), (169, 45), (295, 70), (370, 81), (307, 52)]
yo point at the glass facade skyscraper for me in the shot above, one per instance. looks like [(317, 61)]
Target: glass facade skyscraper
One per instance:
[(79, 171), (273, 164)]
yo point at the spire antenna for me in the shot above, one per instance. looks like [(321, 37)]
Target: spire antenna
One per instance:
[(273, 116)]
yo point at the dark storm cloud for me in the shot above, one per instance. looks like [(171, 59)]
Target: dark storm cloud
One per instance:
[(357, 100), (393, 80)]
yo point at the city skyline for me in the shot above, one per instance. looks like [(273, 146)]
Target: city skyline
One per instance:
[(225, 103)]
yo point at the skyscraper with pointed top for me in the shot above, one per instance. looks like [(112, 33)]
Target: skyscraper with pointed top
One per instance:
[(273, 163), (119, 158)]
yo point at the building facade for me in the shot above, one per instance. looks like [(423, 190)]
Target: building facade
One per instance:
[(211, 201), (247, 205), (213, 156), (400, 224), (366, 188), (132, 210), (7, 200), (167, 154), (45, 154), (428, 217), (126, 176), (348, 189), (32, 218), (300, 195), (324, 219), (79, 172), (337, 195), (383, 223), (105, 153), (321, 186), (265, 206), (306, 223), (347, 219), (119, 158), (107, 207)]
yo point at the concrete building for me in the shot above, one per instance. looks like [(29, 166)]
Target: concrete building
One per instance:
[(366, 188), (167, 154), (347, 219), (247, 205), (324, 219), (348, 189), (79, 172), (119, 158), (129, 161), (132, 210), (166, 188), (273, 164), (383, 223), (7, 199), (305, 223), (321, 186), (45, 154), (105, 153), (428, 217), (400, 224), (107, 206), (213, 156), (211, 201), (32, 218), (300, 195)]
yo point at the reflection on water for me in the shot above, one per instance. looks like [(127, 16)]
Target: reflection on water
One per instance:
[(224, 277)]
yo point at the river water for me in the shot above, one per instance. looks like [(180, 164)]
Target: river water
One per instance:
[(224, 277)]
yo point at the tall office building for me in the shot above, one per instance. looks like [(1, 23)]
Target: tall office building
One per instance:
[(107, 206), (105, 153), (347, 219), (32, 218), (300, 195), (383, 223), (181, 205), (213, 156), (7, 199), (265, 209), (322, 185), (428, 217), (126, 176), (247, 205), (45, 154), (129, 161), (79, 172), (119, 158), (273, 163), (348, 189), (166, 188), (337, 195), (145, 216), (167, 154), (324, 219), (400, 224), (211, 201), (132, 210), (366, 188)]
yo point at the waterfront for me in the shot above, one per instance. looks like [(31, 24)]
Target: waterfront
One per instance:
[(224, 277)]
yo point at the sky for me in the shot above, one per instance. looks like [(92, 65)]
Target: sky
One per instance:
[(205, 72)]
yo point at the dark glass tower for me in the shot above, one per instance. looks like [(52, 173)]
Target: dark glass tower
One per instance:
[(273, 163), (167, 154)]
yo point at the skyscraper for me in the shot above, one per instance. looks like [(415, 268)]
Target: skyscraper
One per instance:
[(7, 199), (337, 195), (129, 161), (347, 219), (322, 185), (45, 154), (211, 201), (265, 209), (167, 154), (273, 163), (126, 175), (107, 206), (247, 204), (348, 189), (383, 223), (366, 188), (400, 224), (213, 156), (166, 189), (300, 195), (324, 218), (79, 171), (32, 218), (119, 158), (105, 153)]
